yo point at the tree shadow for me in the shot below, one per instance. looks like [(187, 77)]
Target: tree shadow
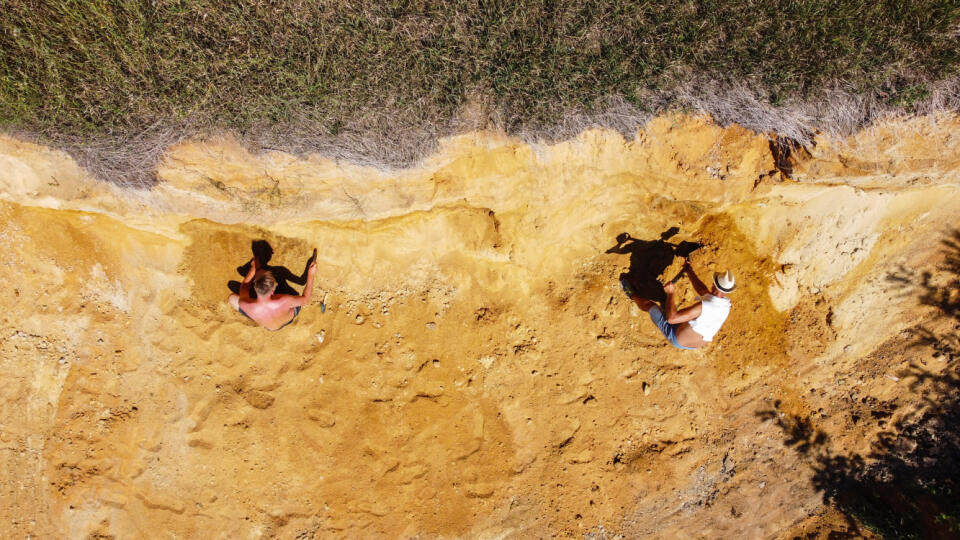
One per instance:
[(908, 484), (649, 258), (263, 251), (940, 290), (801, 434)]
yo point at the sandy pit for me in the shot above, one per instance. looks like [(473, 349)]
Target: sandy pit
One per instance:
[(478, 372)]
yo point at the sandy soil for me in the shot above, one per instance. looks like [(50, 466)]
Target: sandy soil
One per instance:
[(478, 372)]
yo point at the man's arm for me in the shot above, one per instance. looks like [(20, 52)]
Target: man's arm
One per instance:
[(675, 316), (302, 278), (248, 279), (304, 298), (694, 280), (624, 243)]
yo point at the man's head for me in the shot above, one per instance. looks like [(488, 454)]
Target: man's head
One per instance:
[(723, 283), (264, 284)]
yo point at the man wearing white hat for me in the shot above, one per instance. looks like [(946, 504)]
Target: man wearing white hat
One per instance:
[(691, 327)]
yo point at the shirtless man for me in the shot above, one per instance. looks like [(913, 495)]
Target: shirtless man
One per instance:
[(271, 311), (691, 327)]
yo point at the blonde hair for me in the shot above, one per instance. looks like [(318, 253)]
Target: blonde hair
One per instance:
[(264, 284)]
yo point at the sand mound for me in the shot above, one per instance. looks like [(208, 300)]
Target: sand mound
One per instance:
[(478, 372)]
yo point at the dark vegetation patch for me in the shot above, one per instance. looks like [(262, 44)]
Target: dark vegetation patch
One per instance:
[(392, 75)]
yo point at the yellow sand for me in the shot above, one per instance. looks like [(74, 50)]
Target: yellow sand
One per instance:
[(480, 373)]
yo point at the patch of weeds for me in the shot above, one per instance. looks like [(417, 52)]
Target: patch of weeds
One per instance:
[(378, 82), (910, 97), (85, 66)]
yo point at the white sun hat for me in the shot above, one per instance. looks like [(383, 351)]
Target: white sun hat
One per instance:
[(724, 281)]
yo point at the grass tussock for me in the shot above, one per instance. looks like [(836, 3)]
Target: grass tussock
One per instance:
[(387, 77)]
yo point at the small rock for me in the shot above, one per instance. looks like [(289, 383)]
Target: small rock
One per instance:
[(200, 443), (321, 417), (429, 390), (427, 493), (359, 319), (565, 434), (583, 457), (431, 326), (115, 500), (320, 336), (480, 490), (646, 388), (408, 360), (258, 399)]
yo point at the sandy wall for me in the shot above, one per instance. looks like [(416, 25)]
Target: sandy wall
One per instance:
[(480, 374)]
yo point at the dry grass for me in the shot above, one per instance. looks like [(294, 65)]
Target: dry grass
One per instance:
[(380, 81)]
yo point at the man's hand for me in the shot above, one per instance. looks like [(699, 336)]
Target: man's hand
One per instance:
[(669, 287), (312, 269)]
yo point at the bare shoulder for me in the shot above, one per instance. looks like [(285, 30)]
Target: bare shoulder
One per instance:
[(288, 301)]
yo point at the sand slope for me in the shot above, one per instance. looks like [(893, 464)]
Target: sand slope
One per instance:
[(480, 374)]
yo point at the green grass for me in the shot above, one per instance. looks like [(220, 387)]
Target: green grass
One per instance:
[(93, 67)]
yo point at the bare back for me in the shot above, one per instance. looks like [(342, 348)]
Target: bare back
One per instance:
[(273, 313), (688, 337)]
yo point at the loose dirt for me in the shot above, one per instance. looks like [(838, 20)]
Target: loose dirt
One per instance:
[(478, 372)]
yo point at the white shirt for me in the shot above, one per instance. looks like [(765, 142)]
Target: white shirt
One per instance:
[(715, 311)]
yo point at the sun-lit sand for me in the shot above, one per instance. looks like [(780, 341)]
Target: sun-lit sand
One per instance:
[(478, 371)]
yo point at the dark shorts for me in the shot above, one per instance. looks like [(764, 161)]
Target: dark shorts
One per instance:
[(296, 311)]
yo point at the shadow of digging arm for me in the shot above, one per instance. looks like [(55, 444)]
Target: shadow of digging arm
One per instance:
[(625, 244)]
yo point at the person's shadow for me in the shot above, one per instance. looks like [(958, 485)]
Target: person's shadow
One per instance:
[(649, 258), (264, 252)]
